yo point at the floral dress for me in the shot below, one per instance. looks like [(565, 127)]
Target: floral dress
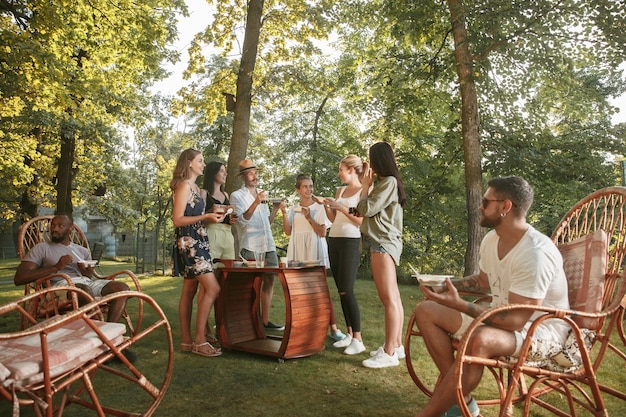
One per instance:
[(191, 253)]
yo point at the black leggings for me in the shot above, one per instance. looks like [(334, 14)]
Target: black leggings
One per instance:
[(344, 256)]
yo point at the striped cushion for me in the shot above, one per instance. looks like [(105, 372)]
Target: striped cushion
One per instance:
[(68, 347)]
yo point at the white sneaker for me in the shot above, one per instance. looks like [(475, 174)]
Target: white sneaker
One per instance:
[(382, 360), (399, 351), (345, 342), (355, 347)]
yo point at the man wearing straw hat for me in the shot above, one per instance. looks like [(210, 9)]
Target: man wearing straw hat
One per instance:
[(254, 231)]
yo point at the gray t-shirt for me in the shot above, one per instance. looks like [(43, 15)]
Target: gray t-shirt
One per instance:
[(48, 254)]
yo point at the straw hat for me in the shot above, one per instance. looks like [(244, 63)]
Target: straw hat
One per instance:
[(246, 165)]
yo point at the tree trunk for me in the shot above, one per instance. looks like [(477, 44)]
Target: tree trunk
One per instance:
[(241, 123), (471, 138), (65, 171)]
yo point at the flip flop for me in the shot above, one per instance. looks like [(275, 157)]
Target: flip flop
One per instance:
[(210, 352)]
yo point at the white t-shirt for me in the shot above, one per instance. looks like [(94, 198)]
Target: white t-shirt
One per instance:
[(533, 269), (342, 226), (304, 243)]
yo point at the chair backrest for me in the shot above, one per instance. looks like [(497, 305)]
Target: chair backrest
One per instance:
[(97, 251), (37, 230), (603, 210)]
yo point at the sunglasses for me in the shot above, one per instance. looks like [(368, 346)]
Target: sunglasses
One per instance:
[(486, 202)]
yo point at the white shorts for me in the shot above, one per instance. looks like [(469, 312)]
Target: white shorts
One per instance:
[(542, 333), (95, 285)]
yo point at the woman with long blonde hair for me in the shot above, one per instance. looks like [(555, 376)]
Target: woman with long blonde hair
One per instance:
[(191, 252)]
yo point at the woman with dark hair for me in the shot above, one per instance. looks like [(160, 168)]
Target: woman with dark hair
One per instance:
[(191, 252), (220, 234), (381, 207)]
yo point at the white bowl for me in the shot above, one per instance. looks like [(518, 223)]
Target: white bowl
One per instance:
[(88, 263), (432, 280)]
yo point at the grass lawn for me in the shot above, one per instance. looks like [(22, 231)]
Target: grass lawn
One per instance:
[(325, 384)]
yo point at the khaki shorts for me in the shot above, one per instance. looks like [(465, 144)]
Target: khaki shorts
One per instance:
[(221, 240)]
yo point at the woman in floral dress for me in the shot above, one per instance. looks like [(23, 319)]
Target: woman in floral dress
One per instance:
[(191, 253)]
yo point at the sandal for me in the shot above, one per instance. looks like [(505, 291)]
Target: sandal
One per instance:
[(186, 347), (205, 349)]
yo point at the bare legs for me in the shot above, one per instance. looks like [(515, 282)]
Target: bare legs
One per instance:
[(116, 307), (436, 323), (185, 308), (209, 289), (384, 274)]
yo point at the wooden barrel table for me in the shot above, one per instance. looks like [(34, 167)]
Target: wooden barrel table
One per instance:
[(307, 315)]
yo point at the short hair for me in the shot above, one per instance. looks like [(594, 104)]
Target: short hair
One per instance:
[(69, 217), (515, 189), (300, 178)]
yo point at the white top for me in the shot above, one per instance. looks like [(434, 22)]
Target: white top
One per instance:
[(48, 254), (254, 234), (342, 226), (304, 243), (533, 269)]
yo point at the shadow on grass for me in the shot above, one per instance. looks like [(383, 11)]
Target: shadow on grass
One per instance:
[(241, 384)]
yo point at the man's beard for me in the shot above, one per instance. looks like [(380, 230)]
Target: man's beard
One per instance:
[(57, 238), (490, 222)]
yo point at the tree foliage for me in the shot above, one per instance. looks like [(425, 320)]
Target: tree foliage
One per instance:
[(70, 73)]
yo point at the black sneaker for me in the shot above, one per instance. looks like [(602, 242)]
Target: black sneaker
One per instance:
[(272, 326), (130, 355)]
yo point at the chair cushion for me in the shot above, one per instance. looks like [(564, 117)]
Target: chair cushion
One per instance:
[(585, 262), (68, 348), (555, 356)]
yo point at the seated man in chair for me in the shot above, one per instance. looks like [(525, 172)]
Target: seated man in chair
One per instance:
[(518, 265), (62, 256)]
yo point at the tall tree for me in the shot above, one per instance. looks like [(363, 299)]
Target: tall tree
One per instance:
[(70, 71), (243, 98)]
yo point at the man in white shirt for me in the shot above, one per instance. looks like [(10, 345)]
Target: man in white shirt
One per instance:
[(518, 265), (254, 231)]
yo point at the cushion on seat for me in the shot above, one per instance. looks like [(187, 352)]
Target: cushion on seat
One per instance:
[(585, 262), (68, 347)]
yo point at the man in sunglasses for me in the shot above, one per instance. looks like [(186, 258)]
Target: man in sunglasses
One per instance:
[(518, 265)]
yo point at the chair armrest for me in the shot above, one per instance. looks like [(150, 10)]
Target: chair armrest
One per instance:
[(119, 274)]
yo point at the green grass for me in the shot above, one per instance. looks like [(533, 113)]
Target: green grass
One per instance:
[(240, 384)]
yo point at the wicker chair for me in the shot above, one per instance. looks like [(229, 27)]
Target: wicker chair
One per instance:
[(37, 230), (68, 358), (596, 314)]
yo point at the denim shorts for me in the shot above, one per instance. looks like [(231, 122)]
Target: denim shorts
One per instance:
[(374, 247), (271, 259)]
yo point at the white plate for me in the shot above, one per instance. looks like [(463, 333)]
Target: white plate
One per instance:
[(432, 280)]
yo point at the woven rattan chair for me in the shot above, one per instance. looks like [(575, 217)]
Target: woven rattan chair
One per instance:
[(596, 226), (37, 230), (77, 358)]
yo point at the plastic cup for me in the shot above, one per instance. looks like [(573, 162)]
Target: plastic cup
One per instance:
[(259, 259), (284, 262)]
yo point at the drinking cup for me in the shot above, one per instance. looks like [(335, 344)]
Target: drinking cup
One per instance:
[(259, 258)]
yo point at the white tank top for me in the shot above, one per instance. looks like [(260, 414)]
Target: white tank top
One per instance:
[(342, 226)]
